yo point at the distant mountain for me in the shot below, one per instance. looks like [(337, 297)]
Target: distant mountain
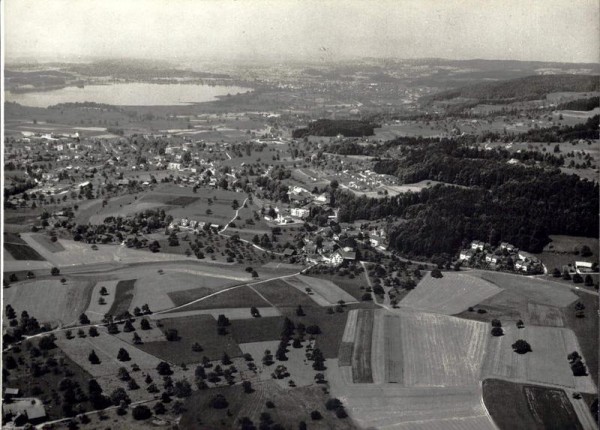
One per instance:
[(527, 88)]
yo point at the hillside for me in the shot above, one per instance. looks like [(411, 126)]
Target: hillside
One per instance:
[(527, 88)]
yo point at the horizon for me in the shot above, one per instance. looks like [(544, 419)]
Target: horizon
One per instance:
[(263, 31)]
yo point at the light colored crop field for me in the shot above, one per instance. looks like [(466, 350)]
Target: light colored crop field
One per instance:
[(45, 241), (95, 311), (327, 290), (440, 350), (378, 353), (547, 363), (535, 290), (231, 313), (450, 295), (350, 329), (394, 406), (48, 300), (544, 315)]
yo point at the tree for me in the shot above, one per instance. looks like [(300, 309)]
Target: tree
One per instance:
[(300, 311), (222, 321), (141, 412), (196, 347), (436, 273), (123, 374), (55, 271), (578, 368), (521, 346), (218, 402), (164, 368), (123, 355), (93, 331), (254, 274), (128, 327), (247, 385), (316, 415), (145, 324), (10, 312), (520, 324), (577, 279), (103, 291), (497, 331), (146, 309), (83, 319), (588, 282), (182, 388), (496, 323), (93, 357), (254, 312), (159, 408), (172, 335), (332, 404)]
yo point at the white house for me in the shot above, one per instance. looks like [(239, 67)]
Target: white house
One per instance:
[(174, 166), (466, 254), (299, 212), (477, 245)]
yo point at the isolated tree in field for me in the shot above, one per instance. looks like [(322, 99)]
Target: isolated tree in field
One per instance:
[(497, 331), (196, 347), (123, 374), (93, 331), (164, 368), (137, 340), (521, 346), (112, 328), (496, 323), (172, 335), (218, 402), (247, 385), (55, 271), (316, 415), (83, 319), (267, 359), (145, 324), (254, 312), (222, 321), (123, 355), (128, 327), (93, 357), (520, 324), (300, 311), (101, 301), (103, 291), (146, 309), (141, 412), (254, 274)]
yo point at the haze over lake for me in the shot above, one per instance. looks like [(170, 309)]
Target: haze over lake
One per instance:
[(127, 94)]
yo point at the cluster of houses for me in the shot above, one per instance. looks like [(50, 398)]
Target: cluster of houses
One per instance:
[(505, 256), (19, 411)]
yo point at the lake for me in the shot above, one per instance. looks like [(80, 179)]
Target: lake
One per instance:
[(127, 94)]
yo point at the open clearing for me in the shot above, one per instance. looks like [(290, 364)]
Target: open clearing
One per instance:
[(547, 363), (49, 300), (452, 294), (330, 293)]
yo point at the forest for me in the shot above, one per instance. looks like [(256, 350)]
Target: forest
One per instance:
[(488, 199), (527, 88), (332, 127), (581, 104)]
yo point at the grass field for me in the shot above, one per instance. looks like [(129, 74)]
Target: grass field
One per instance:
[(586, 330), (351, 286), (45, 241), (281, 294), (123, 297), (361, 356), (201, 329), (242, 297), (516, 406), (95, 311), (22, 252), (49, 300), (450, 295), (185, 296), (544, 315), (394, 366), (327, 290), (546, 363), (256, 329)]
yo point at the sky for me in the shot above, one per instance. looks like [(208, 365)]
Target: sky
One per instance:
[(287, 30)]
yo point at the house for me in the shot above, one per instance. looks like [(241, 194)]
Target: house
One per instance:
[(10, 393), (24, 410), (583, 267), (174, 166), (299, 212), (523, 266), (477, 245), (466, 254), (288, 252), (507, 246), (491, 258), (341, 256)]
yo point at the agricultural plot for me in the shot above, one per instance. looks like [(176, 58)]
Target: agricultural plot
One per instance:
[(123, 297), (49, 300), (533, 289), (231, 313), (450, 295), (242, 297), (546, 363), (551, 408), (326, 292), (22, 252), (444, 351), (544, 315), (281, 294), (200, 329), (361, 356), (95, 311), (351, 286), (394, 372), (45, 241), (265, 328)]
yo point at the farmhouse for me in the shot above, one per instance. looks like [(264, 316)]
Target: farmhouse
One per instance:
[(508, 247), (477, 245), (466, 254), (24, 410), (299, 212), (583, 267), (341, 256)]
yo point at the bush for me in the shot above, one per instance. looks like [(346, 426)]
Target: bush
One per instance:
[(521, 346), (316, 415), (497, 331), (141, 412), (218, 402)]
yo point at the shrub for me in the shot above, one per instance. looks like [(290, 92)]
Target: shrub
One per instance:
[(141, 412)]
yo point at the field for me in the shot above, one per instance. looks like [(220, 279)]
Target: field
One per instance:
[(361, 356), (450, 295), (524, 407), (328, 292), (350, 286), (291, 407), (49, 300), (95, 311), (45, 241), (123, 297), (281, 294), (242, 297), (544, 315), (22, 252), (201, 329), (256, 329), (586, 330), (546, 363)]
